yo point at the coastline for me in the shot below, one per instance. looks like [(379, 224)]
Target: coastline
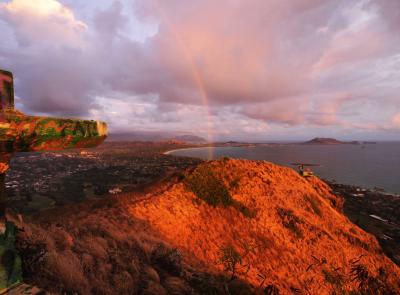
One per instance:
[(205, 152), (372, 210), (183, 149), (330, 181)]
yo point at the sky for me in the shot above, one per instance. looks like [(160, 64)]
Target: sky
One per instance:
[(226, 70)]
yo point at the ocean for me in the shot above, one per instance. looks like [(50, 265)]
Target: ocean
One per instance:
[(369, 166)]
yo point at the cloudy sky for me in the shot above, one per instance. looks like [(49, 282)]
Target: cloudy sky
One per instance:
[(227, 69)]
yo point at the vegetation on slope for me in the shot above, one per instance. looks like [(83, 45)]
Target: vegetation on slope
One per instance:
[(190, 238), (297, 240), (209, 187)]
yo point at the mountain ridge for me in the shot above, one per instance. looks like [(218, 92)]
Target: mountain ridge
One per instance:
[(249, 227), (297, 233)]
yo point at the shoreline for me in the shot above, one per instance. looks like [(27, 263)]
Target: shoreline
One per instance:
[(184, 149), (331, 181), (374, 212), (371, 209)]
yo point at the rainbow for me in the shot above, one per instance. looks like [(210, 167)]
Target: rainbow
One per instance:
[(197, 78)]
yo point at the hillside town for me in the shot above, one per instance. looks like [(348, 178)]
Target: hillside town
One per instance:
[(375, 211), (37, 181)]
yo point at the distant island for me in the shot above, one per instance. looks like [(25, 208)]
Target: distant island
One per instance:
[(325, 140)]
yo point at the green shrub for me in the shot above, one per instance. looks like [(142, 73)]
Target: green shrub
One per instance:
[(224, 159), (271, 290), (244, 210), (290, 221), (234, 184), (180, 176), (230, 259), (333, 278), (208, 187), (315, 205), (366, 282)]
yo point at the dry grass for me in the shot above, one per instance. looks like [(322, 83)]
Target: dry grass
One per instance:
[(291, 221), (298, 218), (315, 205), (167, 243), (101, 249), (91, 253)]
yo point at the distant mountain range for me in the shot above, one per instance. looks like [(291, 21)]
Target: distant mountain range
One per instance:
[(190, 139), (326, 140), (155, 136)]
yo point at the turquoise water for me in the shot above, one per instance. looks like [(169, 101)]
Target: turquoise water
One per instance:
[(369, 166)]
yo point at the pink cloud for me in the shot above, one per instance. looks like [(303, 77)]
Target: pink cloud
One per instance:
[(326, 109), (396, 121), (294, 63), (43, 21)]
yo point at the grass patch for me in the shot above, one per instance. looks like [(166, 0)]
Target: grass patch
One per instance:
[(290, 221), (355, 241), (244, 210), (224, 159), (234, 261), (231, 259), (315, 205), (368, 283), (206, 185), (234, 184), (271, 290), (333, 278)]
